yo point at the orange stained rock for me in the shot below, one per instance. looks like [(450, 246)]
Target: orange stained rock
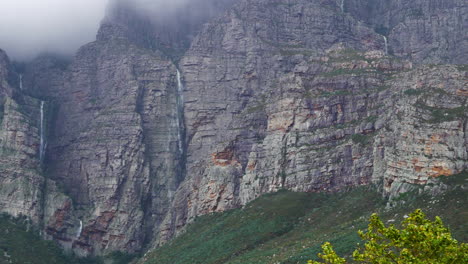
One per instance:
[(415, 162), (441, 171), (340, 108), (402, 163), (105, 218), (60, 215), (224, 158), (427, 150), (436, 138), (281, 121), (462, 92), (251, 166)]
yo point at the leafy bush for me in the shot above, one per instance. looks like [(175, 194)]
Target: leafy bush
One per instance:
[(419, 241)]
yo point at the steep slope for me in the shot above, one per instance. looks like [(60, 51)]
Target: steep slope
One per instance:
[(114, 144), (425, 31), (25, 190), (298, 106), (288, 227), (18, 244), (168, 27), (157, 122)]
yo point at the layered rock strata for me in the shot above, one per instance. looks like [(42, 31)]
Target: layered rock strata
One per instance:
[(302, 95)]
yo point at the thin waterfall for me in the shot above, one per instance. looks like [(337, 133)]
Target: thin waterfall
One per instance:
[(386, 44), (80, 229), (342, 5), (180, 111), (42, 146), (21, 81)]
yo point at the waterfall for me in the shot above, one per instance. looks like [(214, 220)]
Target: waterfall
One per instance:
[(42, 147), (78, 234), (180, 111), (386, 44), (342, 5), (21, 81)]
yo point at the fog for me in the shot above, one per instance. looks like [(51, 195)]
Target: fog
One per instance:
[(31, 27), (161, 9)]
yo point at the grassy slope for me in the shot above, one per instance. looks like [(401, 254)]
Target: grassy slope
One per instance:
[(18, 245), (285, 227), (289, 227)]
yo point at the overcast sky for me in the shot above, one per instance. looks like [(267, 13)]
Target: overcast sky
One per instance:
[(29, 27)]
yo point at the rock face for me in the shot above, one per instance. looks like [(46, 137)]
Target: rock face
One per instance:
[(25, 190), (294, 109), (115, 143), (428, 31), (302, 95)]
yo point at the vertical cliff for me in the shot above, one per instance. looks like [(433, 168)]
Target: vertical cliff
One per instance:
[(166, 118), (26, 190), (425, 31), (309, 97)]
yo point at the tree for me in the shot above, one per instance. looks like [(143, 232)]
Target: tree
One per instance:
[(418, 241)]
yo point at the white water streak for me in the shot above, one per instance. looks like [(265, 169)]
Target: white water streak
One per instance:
[(386, 44), (42, 146), (180, 109), (21, 81), (342, 5), (80, 229)]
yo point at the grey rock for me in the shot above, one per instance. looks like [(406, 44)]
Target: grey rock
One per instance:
[(285, 95)]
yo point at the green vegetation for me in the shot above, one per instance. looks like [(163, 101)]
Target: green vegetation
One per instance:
[(285, 227), (339, 72), (289, 227), (336, 93), (462, 67), (21, 244), (361, 139), (439, 115), (345, 55), (419, 241), (413, 92)]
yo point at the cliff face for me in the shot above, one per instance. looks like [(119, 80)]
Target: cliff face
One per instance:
[(115, 142), (425, 31), (297, 106), (304, 95), (25, 189)]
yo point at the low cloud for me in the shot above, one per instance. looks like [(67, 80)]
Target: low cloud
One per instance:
[(31, 27)]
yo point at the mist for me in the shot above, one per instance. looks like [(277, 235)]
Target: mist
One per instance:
[(162, 9), (31, 27)]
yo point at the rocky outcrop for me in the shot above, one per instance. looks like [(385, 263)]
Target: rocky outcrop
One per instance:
[(289, 112), (25, 190), (112, 138), (168, 27), (425, 31), (4, 64), (299, 95), (426, 135)]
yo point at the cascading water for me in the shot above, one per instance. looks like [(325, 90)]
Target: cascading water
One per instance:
[(42, 146), (342, 5), (80, 229), (21, 81), (180, 111), (386, 44)]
